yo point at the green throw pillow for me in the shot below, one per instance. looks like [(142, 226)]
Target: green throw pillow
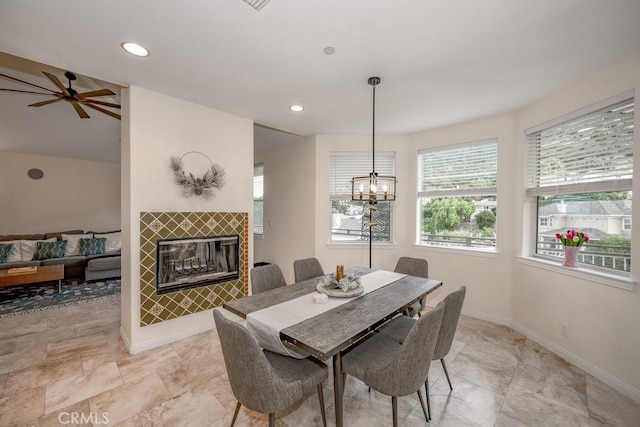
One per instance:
[(46, 250), (93, 246), (4, 251)]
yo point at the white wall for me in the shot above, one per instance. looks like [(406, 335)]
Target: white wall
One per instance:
[(488, 276), (603, 320), (157, 128), (73, 194), (289, 205)]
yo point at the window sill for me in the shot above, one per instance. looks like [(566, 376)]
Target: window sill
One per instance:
[(360, 245), (486, 253), (595, 276)]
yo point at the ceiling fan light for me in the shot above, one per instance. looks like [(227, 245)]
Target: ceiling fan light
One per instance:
[(135, 49)]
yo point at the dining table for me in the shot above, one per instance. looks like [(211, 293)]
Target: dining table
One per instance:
[(327, 333)]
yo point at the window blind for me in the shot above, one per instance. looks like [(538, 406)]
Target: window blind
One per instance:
[(346, 165), (470, 169), (258, 181), (258, 199), (590, 153)]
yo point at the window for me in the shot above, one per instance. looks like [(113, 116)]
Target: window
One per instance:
[(347, 224), (580, 169), (258, 199), (545, 222), (457, 195), (626, 224)]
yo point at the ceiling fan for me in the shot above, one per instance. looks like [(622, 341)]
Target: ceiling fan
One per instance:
[(69, 94)]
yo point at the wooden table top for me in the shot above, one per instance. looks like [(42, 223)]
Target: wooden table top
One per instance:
[(326, 334), (43, 273)]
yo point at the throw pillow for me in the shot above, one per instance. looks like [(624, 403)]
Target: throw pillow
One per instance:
[(113, 241), (73, 243), (46, 250), (5, 250), (28, 247), (15, 255), (92, 246)]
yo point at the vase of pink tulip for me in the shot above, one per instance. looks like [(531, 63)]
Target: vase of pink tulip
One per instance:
[(572, 240)]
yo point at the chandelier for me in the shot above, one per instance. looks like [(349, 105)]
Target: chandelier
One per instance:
[(373, 187)]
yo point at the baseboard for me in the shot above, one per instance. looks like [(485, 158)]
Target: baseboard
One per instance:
[(589, 368), (167, 339), (577, 361), (489, 318)]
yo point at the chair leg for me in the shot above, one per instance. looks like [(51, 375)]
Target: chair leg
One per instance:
[(235, 414), (394, 408), (272, 420), (424, 410), (426, 390), (321, 398), (446, 373)]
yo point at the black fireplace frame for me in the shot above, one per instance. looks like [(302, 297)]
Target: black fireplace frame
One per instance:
[(191, 281)]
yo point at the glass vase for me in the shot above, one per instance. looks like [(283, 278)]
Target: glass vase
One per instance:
[(571, 256)]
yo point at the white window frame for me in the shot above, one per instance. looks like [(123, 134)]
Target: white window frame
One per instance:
[(258, 189), (626, 224), (572, 177), (344, 165), (460, 190)]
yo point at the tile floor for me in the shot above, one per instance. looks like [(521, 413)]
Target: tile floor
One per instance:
[(70, 367)]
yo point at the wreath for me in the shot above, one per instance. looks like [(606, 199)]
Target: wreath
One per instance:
[(213, 178)]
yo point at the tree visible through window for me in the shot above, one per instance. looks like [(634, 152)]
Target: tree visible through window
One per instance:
[(457, 195)]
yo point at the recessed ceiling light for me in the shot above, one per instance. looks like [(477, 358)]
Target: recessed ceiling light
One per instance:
[(329, 50), (135, 49), (296, 108)]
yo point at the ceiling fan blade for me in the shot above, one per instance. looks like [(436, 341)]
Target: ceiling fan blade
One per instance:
[(83, 114), (102, 110), (106, 104), (26, 83), (40, 104), (57, 82), (99, 92), (28, 91)]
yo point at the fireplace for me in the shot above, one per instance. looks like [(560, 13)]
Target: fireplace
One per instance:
[(193, 262)]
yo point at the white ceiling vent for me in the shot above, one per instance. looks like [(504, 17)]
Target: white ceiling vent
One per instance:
[(257, 4)]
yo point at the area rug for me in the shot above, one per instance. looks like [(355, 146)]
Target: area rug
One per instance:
[(17, 300)]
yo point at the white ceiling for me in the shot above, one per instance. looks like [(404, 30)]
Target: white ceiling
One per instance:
[(441, 62)]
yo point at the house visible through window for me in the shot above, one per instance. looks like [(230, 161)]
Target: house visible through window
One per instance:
[(457, 196), (348, 222), (580, 170), (546, 222), (258, 199)]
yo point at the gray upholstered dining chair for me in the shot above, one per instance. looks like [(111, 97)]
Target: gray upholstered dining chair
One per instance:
[(415, 267), (307, 268), (399, 327), (396, 369), (263, 381), (266, 277)]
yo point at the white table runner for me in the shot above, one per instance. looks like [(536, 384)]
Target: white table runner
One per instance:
[(267, 323)]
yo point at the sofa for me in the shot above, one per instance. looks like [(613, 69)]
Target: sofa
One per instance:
[(89, 255)]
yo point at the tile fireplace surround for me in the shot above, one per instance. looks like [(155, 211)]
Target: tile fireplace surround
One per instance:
[(156, 226)]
